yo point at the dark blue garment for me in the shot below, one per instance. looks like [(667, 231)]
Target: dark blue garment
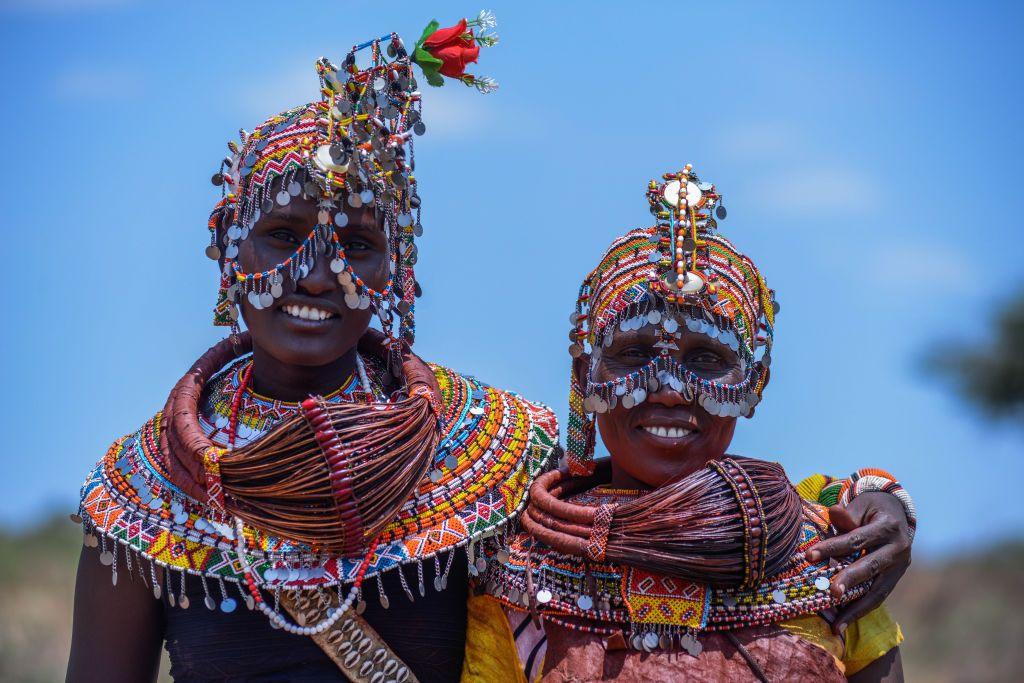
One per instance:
[(429, 634)]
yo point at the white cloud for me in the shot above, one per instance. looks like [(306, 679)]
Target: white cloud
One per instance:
[(815, 190), (935, 265), (753, 141), (98, 82)]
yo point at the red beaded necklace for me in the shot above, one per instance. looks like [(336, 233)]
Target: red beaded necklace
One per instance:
[(250, 582)]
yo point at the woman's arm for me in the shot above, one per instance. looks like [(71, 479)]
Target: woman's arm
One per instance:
[(886, 669), (118, 630), (877, 525)]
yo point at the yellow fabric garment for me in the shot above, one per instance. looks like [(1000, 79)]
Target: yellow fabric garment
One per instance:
[(490, 648), (867, 639)]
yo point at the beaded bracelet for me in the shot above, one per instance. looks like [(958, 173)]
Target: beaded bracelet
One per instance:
[(869, 480)]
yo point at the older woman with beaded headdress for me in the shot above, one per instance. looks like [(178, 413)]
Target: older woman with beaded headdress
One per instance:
[(310, 473), (673, 560)]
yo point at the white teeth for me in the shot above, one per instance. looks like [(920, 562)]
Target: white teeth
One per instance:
[(668, 432), (307, 313)]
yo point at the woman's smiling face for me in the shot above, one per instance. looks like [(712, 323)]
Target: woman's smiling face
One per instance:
[(310, 324), (666, 436)]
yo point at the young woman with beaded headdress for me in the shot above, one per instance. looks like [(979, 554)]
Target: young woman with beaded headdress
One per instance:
[(275, 530), (308, 474), (673, 560)]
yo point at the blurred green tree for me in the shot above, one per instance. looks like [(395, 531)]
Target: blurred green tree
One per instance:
[(990, 374)]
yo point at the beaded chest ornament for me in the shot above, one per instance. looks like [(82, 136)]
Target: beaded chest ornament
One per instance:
[(677, 272), (353, 147)]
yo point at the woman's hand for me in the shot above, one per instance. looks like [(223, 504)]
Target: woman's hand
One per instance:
[(877, 523)]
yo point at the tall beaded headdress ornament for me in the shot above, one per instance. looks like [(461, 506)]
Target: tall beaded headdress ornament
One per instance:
[(354, 145), (678, 270)]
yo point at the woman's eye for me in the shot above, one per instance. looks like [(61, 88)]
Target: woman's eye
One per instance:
[(284, 236), (635, 352), (705, 358), (355, 245)]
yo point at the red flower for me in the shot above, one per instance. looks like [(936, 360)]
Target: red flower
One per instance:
[(455, 47)]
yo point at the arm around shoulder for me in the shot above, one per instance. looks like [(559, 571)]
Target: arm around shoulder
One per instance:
[(117, 631)]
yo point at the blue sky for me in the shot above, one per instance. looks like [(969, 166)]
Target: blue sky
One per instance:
[(869, 155)]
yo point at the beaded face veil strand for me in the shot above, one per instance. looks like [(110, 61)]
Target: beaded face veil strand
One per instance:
[(353, 147), (677, 272)]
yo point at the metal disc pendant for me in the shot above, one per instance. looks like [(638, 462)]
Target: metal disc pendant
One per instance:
[(337, 265), (366, 196), (822, 583), (384, 602), (266, 300), (437, 584), (779, 596), (210, 604), (183, 601), (544, 596), (481, 564), (354, 200), (157, 591), (267, 206), (436, 476), (213, 252), (637, 642), (451, 462), (276, 290), (665, 642), (283, 198), (323, 217), (671, 325), (352, 301), (294, 188), (341, 219), (228, 605), (404, 220), (584, 602), (106, 558), (419, 128), (721, 213), (650, 641), (364, 302)]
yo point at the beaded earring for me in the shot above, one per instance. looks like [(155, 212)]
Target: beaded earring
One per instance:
[(581, 434)]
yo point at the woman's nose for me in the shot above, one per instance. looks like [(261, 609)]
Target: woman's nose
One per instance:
[(669, 397), (320, 280)]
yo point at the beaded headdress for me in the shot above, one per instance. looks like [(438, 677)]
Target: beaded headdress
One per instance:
[(678, 270), (354, 145)]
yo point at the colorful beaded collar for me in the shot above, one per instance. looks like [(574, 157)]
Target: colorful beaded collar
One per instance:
[(655, 611), (493, 444)]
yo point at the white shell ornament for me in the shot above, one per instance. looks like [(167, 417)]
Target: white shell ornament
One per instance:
[(322, 159), (694, 197)]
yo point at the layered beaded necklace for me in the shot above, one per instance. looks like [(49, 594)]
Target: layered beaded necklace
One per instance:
[(274, 613)]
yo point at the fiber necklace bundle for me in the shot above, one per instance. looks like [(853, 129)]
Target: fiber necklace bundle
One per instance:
[(731, 523), (332, 476)]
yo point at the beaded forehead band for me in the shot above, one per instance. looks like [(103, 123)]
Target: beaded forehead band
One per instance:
[(354, 146), (679, 271)]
